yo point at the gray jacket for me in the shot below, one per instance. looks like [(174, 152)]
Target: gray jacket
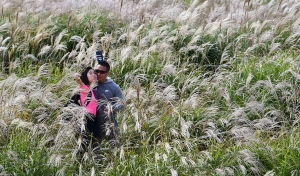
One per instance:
[(108, 92)]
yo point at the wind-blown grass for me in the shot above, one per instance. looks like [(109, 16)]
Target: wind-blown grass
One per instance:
[(210, 87)]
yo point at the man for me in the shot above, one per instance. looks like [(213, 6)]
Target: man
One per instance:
[(110, 98)]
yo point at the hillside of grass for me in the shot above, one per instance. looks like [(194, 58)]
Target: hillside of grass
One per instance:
[(211, 87)]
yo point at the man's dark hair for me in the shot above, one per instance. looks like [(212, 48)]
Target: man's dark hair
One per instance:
[(105, 64), (84, 77)]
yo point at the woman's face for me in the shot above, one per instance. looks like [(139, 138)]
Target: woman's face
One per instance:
[(92, 77)]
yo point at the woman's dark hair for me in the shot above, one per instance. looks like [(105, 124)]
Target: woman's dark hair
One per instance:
[(84, 77)]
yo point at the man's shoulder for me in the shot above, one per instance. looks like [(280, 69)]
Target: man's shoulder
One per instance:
[(107, 84), (110, 81)]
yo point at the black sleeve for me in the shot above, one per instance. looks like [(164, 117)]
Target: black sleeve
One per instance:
[(74, 99)]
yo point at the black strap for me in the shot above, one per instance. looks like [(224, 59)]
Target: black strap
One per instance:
[(88, 99)]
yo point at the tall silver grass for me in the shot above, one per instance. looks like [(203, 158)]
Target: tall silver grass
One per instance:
[(147, 107)]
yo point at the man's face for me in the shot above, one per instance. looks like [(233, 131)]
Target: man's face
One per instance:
[(101, 73)]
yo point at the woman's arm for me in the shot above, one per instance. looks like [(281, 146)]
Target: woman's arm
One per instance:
[(77, 78)]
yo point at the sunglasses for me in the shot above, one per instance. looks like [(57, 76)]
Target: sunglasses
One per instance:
[(100, 71)]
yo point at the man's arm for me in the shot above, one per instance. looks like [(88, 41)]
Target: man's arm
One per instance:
[(118, 100)]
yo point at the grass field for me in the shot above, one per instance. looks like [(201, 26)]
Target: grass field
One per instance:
[(211, 87)]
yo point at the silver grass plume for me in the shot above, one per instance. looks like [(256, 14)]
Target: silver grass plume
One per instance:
[(165, 157), (285, 88), (55, 160), (168, 69), (238, 113), (30, 56), (79, 40), (2, 171), (292, 39), (190, 82), (211, 111), (254, 107), (247, 158), (266, 124), (183, 161), (58, 46), (183, 17), (71, 55), (171, 13), (46, 49), (163, 92), (225, 55), (156, 157), (267, 36), (58, 39), (137, 126), (274, 47), (249, 51), (44, 71), (3, 128), (105, 42), (82, 58), (168, 148), (21, 124), (122, 153), (192, 101), (264, 83), (96, 35), (93, 171), (13, 155), (206, 156), (270, 173), (125, 53), (184, 127), (243, 169), (6, 27), (130, 94), (3, 50), (223, 122), (243, 134), (174, 132), (3, 42), (134, 36), (212, 132), (173, 172), (71, 120), (221, 172)]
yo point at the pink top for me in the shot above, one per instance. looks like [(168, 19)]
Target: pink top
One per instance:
[(92, 106)]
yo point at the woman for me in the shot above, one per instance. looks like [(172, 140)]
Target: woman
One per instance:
[(87, 98)]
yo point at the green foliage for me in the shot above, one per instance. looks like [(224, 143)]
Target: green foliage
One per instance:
[(23, 155)]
